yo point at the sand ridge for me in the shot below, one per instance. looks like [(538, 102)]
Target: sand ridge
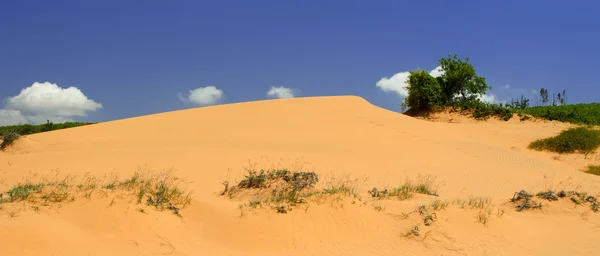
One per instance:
[(339, 135)]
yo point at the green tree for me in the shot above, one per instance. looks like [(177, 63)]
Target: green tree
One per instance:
[(424, 92), (561, 98), (521, 104), (544, 96), (460, 80)]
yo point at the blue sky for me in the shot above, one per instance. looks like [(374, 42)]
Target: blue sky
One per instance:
[(131, 58)]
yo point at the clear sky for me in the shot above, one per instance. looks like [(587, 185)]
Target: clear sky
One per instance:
[(131, 58)]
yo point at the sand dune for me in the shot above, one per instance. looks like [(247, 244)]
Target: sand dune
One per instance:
[(339, 135)]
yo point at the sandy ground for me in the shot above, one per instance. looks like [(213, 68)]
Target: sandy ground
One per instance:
[(343, 135)]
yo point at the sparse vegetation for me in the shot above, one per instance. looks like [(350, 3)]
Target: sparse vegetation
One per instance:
[(413, 231), (581, 139), (438, 205), (407, 190), (473, 203), (160, 191), (524, 201), (379, 207), (483, 216)]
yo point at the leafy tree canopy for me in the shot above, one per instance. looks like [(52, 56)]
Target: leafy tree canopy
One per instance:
[(460, 81)]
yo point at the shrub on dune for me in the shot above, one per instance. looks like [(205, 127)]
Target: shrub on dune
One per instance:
[(581, 139)]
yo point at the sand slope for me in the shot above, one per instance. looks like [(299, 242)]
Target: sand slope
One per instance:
[(343, 134)]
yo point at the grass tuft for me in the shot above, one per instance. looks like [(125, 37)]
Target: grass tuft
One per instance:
[(406, 190)]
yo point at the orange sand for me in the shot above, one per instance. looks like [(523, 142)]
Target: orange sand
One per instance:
[(343, 135)]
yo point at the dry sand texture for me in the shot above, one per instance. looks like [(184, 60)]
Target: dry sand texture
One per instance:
[(338, 136)]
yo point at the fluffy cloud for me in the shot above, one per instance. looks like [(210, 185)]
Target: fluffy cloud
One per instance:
[(203, 96), (488, 98), (46, 101), (11, 117), (397, 83), (281, 92)]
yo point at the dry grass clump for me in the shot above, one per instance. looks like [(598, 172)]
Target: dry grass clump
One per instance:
[(473, 203), (482, 204), (158, 190), (407, 190)]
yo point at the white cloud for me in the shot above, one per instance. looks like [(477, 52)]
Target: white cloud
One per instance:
[(397, 83), (438, 71), (11, 117), (203, 96), (46, 101), (50, 99), (507, 86), (281, 92), (488, 98)]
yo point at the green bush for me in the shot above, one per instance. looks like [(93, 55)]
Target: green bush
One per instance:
[(593, 169), (26, 129), (485, 110), (457, 87), (424, 92), (574, 113), (459, 80), (8, 139), (580, 139)]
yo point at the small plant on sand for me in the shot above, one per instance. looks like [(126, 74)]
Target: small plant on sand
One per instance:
[(254, 203), (593, 169), (483, 216), (413, 231), (8, 139), (524, 201), (428, 216), (379, 207), (581, 139)]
